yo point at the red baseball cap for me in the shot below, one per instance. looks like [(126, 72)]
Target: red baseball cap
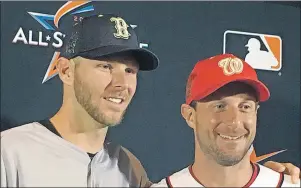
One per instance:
[(213, 73)]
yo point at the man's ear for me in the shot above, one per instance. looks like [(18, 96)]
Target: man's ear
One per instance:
[(188, 114), (66, 68)]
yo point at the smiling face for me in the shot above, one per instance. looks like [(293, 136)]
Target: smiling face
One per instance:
[(104, 88), (224, 123)]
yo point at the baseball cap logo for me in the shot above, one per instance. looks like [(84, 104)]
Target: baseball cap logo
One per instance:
[(231, 66), (121, 28)]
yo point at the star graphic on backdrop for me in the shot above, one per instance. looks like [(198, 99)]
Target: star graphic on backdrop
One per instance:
[(48, 38)]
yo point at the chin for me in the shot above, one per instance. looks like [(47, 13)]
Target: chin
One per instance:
[(229, 160), (113, 120)]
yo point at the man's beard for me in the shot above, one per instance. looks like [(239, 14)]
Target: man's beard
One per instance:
[(220, 157), (212, 151), (83, 95)]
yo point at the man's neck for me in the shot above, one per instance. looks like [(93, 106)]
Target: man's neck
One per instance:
[(211, 174), (79, 129)]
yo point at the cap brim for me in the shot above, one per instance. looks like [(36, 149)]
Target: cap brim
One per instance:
[(262, 91), (147, 60)]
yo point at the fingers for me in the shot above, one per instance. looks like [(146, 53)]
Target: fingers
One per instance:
[(293, 171), (278, 167), (286, 168)]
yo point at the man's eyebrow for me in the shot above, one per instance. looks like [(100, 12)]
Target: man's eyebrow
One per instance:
[(249, 98)]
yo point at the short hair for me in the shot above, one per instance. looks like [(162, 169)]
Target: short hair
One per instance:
[(188, 85)]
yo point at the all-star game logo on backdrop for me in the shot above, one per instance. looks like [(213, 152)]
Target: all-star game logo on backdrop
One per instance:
[(51, 36)]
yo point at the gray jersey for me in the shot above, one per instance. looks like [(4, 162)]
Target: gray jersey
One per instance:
[(34, 156)]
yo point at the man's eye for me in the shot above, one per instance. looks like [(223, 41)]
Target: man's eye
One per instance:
[(246, 107), (220, 106), (105, 66), (131, 71)]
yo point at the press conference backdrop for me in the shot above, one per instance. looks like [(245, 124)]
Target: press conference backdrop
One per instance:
[(180, 33)]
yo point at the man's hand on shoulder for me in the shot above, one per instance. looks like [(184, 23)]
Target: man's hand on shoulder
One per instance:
[(287, 168)]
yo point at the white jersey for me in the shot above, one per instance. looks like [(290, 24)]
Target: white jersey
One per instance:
[(261, 177), (32, 155)]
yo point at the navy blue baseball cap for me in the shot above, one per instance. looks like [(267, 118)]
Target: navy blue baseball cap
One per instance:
[(104, 35)]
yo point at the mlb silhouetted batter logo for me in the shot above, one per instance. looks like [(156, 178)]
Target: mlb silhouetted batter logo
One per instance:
[(261, 51), (259, 59)]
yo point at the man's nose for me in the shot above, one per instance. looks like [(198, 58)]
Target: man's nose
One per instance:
[(233, 117), (119, 80)]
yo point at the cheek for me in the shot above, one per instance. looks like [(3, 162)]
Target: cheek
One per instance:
[(213, 121), (95, 88), (251, 122), (206, 122), (132, 85), (99, 81), (102, 78)]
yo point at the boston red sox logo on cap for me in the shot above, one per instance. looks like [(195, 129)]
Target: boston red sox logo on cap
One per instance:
[(107, 34), (121, 28)]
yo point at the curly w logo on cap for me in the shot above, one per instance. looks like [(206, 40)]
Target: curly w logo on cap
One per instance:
[(231, 66), (213, 73)]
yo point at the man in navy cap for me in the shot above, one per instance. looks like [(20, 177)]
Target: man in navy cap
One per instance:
[(98, 68)]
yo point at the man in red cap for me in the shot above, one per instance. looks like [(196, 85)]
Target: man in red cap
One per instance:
[(222, 100), (98, 68)]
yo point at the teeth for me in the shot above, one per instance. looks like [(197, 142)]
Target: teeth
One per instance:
[(114, 100), (229, 137)]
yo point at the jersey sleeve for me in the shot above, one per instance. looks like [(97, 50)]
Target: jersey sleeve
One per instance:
[(8, 165), (3, 173), (138, 169)]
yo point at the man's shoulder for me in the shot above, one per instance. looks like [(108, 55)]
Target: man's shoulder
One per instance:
[(20, 129), (133, 160), (116, 150), (269, 177), (123, 153), (177, 179), (287, 182), (128, 161), (20, 133)]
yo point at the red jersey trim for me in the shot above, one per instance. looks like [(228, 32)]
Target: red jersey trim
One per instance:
[(255, 173), (168, 182), (281, 178)]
